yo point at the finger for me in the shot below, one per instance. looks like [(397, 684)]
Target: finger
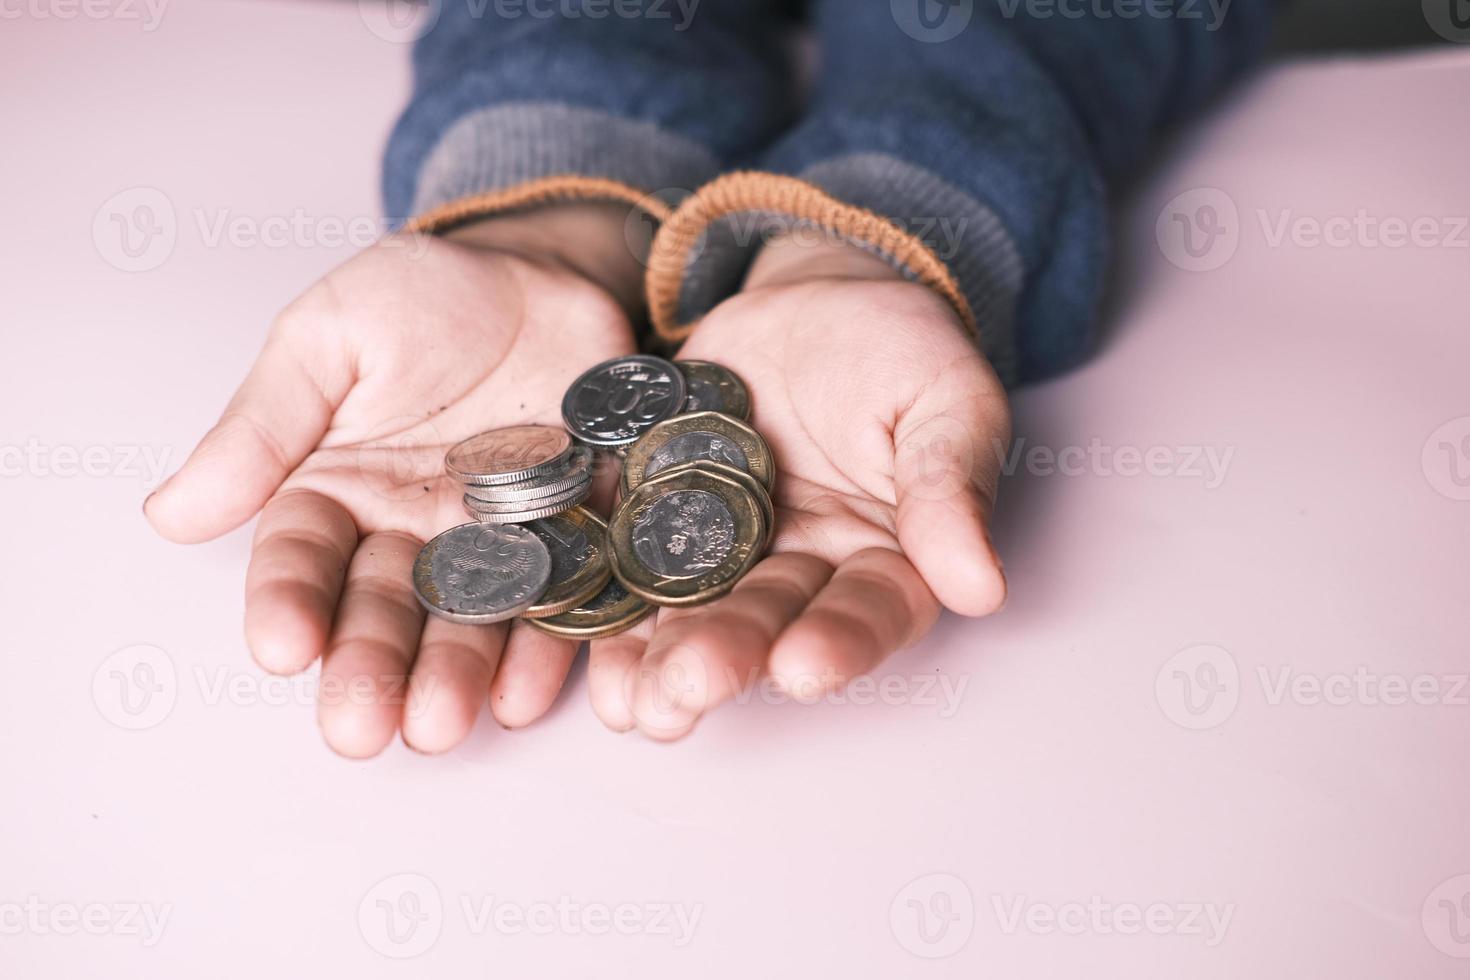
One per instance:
[(948, 451), (278, 416), (450, 679), (874, 604), (303, 544), (702, 657), (365, 670), (531, 673), (609, 662)]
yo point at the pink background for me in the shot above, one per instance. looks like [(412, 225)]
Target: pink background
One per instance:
[(1096, 755)]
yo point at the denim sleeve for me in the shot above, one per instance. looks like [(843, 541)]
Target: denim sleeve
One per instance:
[(990, 130), (655, 94)]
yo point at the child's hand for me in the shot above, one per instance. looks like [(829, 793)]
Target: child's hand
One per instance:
[(888, 428), (339, 433)]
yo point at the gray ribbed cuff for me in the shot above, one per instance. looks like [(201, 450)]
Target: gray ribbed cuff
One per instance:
[(506, 145)]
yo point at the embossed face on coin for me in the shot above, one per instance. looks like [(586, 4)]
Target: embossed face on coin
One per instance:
[(689, 447), (481, 573), (617, 401), (509, 455), (684, 534)]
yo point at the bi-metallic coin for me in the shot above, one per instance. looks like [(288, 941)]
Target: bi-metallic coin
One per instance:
[(709, 436), (612, 611), (686, 538), (714, 388), (577, 541)]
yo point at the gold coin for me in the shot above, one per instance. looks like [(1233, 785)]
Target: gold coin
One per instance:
[(577, 540), (698, 436), (686, 538), (714, 388), (768, 509), (612, 611)]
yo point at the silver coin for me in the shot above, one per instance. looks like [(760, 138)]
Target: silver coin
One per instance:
[(690, 447), (559, 505), (480, 504), (619, 400), (577, 472), (481, 573), (684, 534), (508, 455)]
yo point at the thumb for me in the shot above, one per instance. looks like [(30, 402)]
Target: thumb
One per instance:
[(276, 418), (948, 450)]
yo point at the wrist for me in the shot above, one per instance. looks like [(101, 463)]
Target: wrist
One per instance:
[(587, 238), (805, 254)]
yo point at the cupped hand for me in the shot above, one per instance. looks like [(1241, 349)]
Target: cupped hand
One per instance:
[(337, 439), (887, 428)]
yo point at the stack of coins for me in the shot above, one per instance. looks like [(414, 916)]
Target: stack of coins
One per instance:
[(695, 511), (520, 474)]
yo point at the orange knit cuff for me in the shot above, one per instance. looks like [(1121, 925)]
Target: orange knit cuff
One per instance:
[(556, 189), (680, 237)]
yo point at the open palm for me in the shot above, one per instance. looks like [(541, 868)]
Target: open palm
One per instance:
[(886, 426), (337, 439)]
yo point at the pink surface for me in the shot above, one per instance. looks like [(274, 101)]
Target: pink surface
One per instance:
[(1220, 731)]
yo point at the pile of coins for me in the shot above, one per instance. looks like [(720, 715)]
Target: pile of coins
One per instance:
[(694, 512)]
